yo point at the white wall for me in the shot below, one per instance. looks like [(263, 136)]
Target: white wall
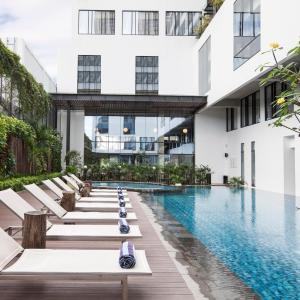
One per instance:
[(31, 63), (77, 132), (279, 22), (177, 71), (269, 143), (272, 169), (211, 141)]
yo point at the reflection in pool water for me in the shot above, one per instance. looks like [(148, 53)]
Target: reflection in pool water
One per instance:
[(256, 234), (135, 185)]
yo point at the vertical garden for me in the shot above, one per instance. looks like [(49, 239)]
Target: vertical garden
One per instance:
[(27, 145)]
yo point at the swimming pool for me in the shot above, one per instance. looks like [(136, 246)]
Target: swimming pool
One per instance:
[(137, 186), (255, 234)]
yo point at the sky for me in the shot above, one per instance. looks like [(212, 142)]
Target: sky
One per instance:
[(43, 24)]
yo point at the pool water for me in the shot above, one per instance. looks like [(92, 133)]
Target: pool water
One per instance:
[(135, 185), (256, 234)]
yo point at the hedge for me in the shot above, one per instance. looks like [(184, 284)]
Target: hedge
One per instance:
[(17, 183)]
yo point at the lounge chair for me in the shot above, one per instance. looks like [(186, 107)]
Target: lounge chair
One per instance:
[(59, 193), (42, 196), (106, 193), (82, 217), (67, 232), (58, 264), (66, 187), (80, 182)]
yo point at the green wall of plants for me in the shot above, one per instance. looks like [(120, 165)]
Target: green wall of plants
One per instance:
[(43, 144), (169, 174), (17, 82)]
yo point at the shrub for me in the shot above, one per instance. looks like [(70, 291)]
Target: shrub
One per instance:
[(217, 3), (169, 173), (73, 161), (236, 182), (16, 183), (71, 169), (43, 144), (202, 174), (205, 21)]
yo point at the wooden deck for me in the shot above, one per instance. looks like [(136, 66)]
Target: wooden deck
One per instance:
[(165, 284)]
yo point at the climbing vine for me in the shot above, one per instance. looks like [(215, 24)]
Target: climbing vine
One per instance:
[(17, 128), (43, 144), (18, 85)]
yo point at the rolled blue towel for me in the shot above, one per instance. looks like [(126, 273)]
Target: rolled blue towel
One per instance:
[(123, 212), (122, 203), (123, 226), (127, 258), (120, 197)]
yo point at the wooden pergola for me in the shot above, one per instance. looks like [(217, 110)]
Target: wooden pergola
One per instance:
[(134, 105)]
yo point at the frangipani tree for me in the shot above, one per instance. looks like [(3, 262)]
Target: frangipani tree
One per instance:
[(288, 102)]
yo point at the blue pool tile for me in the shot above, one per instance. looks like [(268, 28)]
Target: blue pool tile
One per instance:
[(256, 234)]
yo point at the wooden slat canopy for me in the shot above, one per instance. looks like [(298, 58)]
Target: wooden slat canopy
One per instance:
[(144, 105)]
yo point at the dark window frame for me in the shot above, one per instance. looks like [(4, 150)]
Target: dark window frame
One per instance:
[(149, 75), (248, 105), (238, 59), (96, 10), (241, 27), (141, 11), (231, 119), (276, 88), (90, 74)]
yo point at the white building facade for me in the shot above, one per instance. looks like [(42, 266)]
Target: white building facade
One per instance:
[(138, 47), (29, 60), (246, 145), (130, 48)]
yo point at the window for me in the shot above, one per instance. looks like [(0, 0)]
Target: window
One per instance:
[(231, 123), (130, 143), (272, 91), (129, 125), (96, 22), (246, 30), (102, 125), (250, 110), (205, 67), (147, 143), (146, 75), (89, 73), (182, 23), (140, 23)]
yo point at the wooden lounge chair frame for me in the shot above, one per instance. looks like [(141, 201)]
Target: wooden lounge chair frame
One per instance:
[(67, 232), (54, 264)]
